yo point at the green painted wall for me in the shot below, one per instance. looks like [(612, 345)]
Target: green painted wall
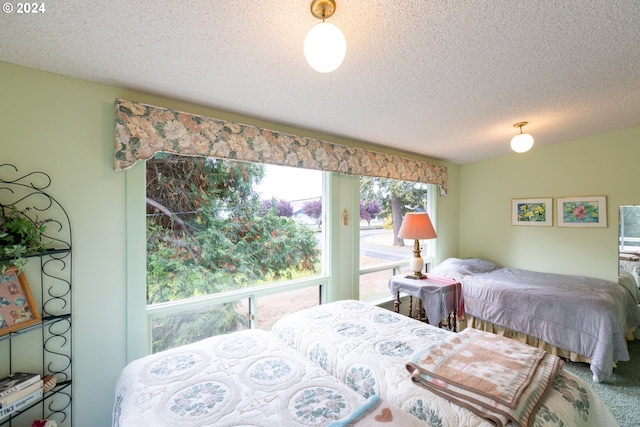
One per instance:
[(446, 223), (65, 127), (599, 165)]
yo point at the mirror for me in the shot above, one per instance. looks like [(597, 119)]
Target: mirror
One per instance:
[(629, 241)]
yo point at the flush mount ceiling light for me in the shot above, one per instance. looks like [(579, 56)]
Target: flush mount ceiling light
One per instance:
[(522, 142), (324, 46)]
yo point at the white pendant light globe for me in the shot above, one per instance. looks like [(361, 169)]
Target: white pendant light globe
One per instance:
[(325, 47), (522, 143)]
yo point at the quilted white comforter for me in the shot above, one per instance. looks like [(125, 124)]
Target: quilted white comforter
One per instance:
[(367, 348), (246, 378)]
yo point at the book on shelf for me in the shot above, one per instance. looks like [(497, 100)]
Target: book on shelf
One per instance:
[(17, 395), (17, 381), (20, 404)]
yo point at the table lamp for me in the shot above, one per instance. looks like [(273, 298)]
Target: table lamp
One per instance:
[(417, 226)]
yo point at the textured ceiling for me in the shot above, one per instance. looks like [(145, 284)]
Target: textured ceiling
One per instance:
[(446, 79)]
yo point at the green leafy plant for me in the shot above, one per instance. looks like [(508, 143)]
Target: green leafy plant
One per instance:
[(20, 236)]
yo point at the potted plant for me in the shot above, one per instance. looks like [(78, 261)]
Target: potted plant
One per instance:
[(20, 236)]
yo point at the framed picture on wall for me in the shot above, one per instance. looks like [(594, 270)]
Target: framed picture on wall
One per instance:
[(17, 309), (536, 212), (582, 211)]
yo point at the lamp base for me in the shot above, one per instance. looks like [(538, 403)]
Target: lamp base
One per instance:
[(416, 263)]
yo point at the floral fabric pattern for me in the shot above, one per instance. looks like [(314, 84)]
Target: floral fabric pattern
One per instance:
[(287, 336), (270, 385), (362, 380), (574, 394), (352, 305), (394, 348), (318, 355), (432, 333), (199, 400), (173, 365), (351, 330), (319, 406), (117, 409), (238, 346), (385, 318), (419, 410), (143, 130), (374, 364), (270, 371)]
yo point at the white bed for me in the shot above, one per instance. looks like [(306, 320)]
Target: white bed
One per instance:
[(629, 261), (589, 318), (246, 378), (367, 348)]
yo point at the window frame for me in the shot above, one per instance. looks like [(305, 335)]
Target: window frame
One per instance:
[(341, 263)]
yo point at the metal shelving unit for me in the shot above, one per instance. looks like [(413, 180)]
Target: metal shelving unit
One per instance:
[(53, 335)]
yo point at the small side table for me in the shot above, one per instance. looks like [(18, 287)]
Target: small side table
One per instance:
[(438, 297)]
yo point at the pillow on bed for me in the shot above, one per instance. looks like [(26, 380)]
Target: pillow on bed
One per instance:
[(627, 280), (456, 267)]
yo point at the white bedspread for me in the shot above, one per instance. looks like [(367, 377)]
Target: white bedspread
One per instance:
[(367, 347), (246, 378), (585, 315)]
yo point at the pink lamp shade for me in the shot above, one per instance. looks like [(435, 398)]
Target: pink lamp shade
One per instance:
[(417, 225)]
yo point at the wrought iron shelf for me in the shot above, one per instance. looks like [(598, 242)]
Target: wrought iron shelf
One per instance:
[(46, 321), (63, 388), (41, 254), (27, 193)]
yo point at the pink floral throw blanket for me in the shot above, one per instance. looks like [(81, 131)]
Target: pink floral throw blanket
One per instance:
[(496, 377)]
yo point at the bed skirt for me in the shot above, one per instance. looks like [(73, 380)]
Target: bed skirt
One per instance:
[(483, 325)]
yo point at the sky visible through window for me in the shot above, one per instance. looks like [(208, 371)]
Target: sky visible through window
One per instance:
[(290, 184)]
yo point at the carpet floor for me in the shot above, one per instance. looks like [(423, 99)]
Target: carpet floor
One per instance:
[(621, 392)]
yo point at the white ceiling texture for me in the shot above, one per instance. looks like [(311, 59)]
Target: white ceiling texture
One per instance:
[(442, 78)]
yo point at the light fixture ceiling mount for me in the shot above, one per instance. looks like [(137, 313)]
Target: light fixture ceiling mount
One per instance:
[(522, 142), (324, 46), (323, 9)]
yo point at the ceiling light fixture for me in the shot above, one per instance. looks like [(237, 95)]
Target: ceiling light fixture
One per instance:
[(324, 46), (522, 142)]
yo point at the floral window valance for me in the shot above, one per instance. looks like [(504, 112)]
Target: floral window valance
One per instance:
[(144, 130)]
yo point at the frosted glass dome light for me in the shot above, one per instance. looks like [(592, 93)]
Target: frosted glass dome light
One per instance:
[(522, 142), (325, 47)]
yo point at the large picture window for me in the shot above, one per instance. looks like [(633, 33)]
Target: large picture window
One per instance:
[(217, 227), (234, 245), (218, 248)]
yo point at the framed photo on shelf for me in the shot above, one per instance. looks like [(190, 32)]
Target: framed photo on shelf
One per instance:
[(536, 212), (582, 211), (17, 308)]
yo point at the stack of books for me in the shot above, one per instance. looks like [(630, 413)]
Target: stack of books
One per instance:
[(18, 391)]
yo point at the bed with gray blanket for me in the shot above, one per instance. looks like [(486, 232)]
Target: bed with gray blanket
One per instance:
[(588, 316)]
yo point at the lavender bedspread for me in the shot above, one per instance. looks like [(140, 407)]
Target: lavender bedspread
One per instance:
[(585, 315)]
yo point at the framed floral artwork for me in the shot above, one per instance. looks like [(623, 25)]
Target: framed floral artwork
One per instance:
[(532, 212), (17, 308), (582, 211)]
